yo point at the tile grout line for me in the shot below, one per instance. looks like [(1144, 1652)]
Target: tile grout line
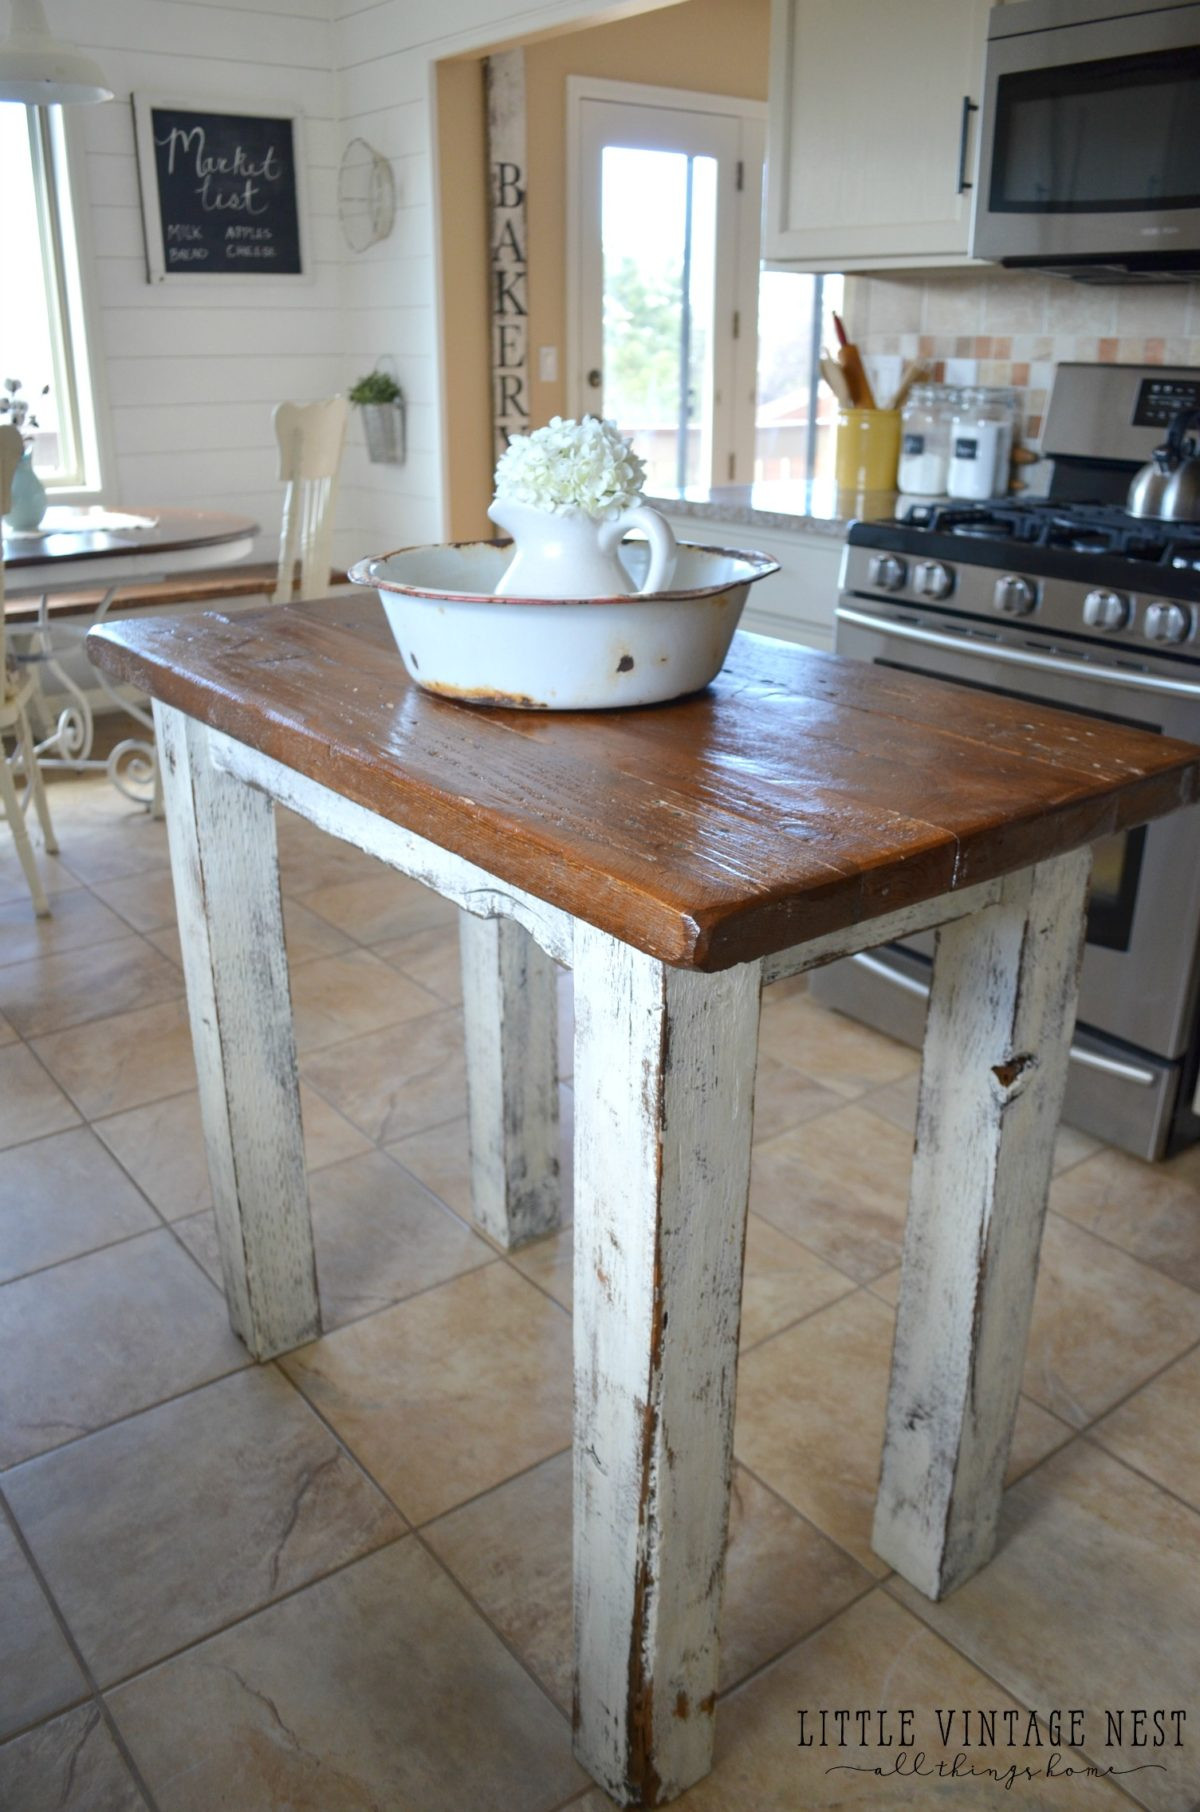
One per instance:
[(249, 1361), (917, 1612), (265, 1604), (773, 1491), (122, 935), (843, 1297), (416, 1531), (248, 1616), (94, 1695), (773, 1661), (117, 1421), (1145, 1263), (1168, 1491), (1087, 1426)]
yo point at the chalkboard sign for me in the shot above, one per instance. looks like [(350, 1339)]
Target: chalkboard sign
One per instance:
[(221, 191)]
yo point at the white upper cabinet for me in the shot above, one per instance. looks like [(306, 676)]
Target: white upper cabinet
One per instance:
[(870, 145)]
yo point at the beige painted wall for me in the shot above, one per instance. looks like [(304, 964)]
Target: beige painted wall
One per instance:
[(718, 46), (461, 197)]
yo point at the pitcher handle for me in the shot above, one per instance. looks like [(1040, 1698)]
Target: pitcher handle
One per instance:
[(658, 533)]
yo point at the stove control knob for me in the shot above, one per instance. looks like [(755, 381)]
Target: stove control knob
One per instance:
[(1105, 610), (887, 572), (1016, 597), (1167, 623), (933, 580)]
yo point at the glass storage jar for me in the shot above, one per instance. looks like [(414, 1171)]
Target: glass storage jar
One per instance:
[(981, 441), (925, 441)]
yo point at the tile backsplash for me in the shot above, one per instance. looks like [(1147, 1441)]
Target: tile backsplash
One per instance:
[(1013, 327)]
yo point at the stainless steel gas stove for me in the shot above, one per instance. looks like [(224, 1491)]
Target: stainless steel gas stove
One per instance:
[(1065, 600)]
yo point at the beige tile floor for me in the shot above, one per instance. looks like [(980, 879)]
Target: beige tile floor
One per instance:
[(342, 1581)]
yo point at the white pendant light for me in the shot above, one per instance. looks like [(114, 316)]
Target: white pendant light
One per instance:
[(41, 70)]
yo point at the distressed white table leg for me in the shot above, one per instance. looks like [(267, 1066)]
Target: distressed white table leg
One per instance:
[(11, 809), (226, 874), (510, 1021), (664, 1081), (1001, 1014), (36, 784)]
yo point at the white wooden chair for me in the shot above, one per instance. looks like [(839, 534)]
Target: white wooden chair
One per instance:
[(15, 691), (311, 437)]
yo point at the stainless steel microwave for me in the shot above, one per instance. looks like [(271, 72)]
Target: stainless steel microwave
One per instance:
[(1089, 157)]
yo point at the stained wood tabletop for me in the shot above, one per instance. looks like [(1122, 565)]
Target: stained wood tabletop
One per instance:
[(800, 793)]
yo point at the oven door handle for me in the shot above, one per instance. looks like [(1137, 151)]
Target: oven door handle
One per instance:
[(1090, 1060), (1037, 663)]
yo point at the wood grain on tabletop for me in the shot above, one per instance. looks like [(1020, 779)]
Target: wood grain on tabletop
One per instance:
[(800, 793)]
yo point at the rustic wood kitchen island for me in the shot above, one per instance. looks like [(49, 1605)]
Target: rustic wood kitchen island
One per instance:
[(676, 858)]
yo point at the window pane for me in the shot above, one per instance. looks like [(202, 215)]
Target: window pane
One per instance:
[(796, 414), (26, 351), (38, 345), (658, 232)]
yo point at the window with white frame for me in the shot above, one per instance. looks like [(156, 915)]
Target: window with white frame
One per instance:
[(711, 365), (43, 342)]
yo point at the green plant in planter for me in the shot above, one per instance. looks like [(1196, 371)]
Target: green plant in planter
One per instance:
[(381, 400), (376, 387)]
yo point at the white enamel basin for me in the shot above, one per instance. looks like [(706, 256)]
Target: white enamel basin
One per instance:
[(589, 654)]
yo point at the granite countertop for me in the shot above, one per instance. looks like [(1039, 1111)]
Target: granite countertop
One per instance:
[(816, 507)]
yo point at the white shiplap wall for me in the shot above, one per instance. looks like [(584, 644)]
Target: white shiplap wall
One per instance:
[(187, 377), (385, 53)]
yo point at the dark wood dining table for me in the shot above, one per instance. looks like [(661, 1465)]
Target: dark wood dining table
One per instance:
[(72, 568), (80, 547), (678, 859)]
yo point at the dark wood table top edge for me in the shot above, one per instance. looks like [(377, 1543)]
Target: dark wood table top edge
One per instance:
[(517, 847), (176, 531)]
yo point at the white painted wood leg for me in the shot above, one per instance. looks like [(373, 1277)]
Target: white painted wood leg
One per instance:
[(1001, 1014), (12, 804), (223, 860), (36, 784), (664, 1081), (510, 1021), (157, 805)]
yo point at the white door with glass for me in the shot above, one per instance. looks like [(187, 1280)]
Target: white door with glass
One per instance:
[(663, 247)]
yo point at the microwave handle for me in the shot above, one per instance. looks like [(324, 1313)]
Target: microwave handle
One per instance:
[(968, 108)]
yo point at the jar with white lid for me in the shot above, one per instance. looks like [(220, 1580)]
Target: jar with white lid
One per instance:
[(924, 442), (981, 441)]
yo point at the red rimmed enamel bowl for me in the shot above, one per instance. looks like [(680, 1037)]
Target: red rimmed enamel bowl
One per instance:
[(458, 639)]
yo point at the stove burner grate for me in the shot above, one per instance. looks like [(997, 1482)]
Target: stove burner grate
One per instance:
[(1084, 528)]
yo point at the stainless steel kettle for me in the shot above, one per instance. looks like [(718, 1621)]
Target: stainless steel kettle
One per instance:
[(1168, 487)]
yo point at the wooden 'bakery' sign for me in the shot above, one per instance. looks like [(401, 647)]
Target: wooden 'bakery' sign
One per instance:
[(222, 192)]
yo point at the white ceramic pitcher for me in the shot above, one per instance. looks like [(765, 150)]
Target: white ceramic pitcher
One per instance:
[(568, 554)]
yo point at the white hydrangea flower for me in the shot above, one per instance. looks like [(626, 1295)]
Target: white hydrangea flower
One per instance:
[(568, 465)]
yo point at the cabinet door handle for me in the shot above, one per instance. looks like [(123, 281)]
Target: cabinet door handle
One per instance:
[(969, 107)]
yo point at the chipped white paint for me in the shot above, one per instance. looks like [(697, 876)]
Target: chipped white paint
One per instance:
[(868, 933), (664, 1077), (468, 885), (1000, 1016), (511, 1022), (226, 875)]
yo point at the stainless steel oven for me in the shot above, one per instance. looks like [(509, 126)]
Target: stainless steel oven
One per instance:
[(1089, 154), (1137, 1000), (1080, 606)]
